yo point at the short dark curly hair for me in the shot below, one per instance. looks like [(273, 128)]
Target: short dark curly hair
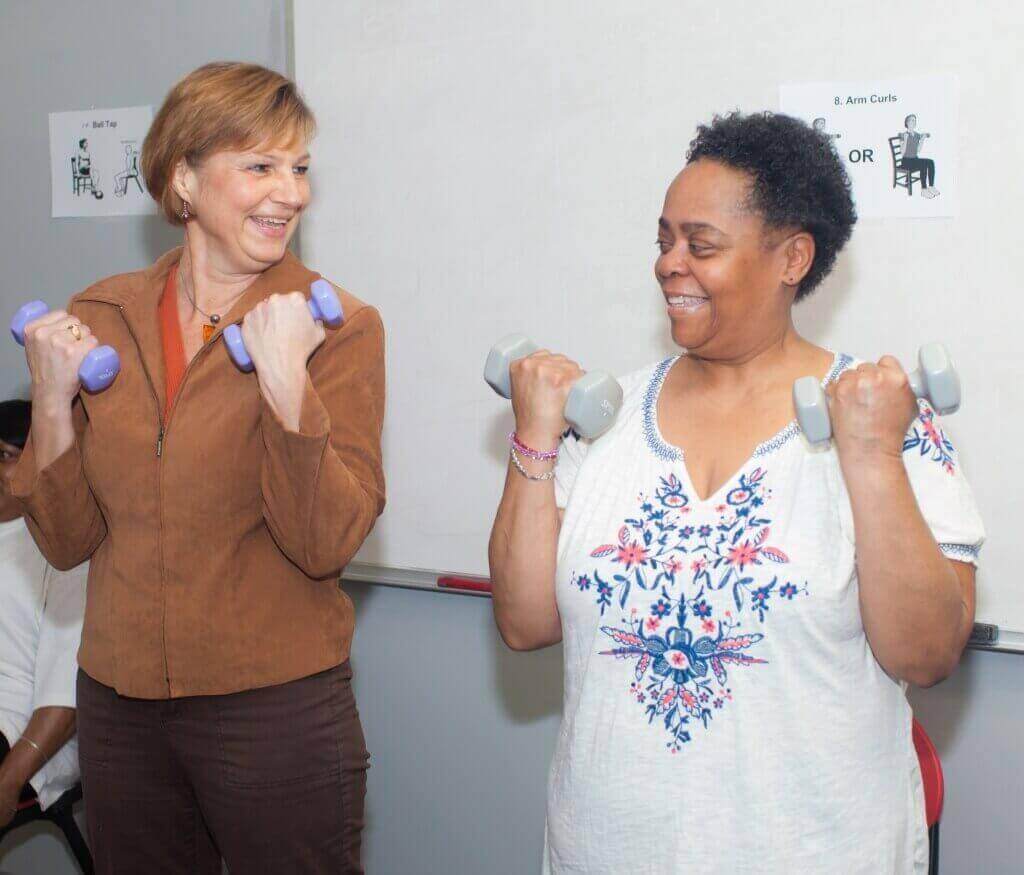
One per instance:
[(798, 180)]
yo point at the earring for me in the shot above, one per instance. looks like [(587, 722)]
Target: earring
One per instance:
[(185, 213)]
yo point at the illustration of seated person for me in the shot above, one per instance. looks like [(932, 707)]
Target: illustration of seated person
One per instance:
[(83, 177), (131, 171), (911, 141)]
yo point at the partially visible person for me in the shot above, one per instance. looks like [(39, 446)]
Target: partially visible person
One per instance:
[(41, 612)]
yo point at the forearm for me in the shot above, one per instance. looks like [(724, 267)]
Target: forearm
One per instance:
[(283, 393), (49, 729), (523, 558), (913, 606)]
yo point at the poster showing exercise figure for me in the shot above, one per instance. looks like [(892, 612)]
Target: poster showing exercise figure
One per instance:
[(94, 162), (898, 138)]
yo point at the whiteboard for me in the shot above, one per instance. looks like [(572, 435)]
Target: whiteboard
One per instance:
[(484, 168)]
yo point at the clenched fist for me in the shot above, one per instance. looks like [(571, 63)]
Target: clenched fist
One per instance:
[(540, 386), (871, 408)]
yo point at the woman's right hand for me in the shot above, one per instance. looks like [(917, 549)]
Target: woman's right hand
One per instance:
[(540, 386), (54, 356)]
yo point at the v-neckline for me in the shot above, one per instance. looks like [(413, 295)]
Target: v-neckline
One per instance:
[(669, 452)]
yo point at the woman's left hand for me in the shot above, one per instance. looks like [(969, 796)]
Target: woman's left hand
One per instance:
[(280, 336), (871, 408)]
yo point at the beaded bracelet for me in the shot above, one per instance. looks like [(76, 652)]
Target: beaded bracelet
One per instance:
[(530, 453), (547, 475)]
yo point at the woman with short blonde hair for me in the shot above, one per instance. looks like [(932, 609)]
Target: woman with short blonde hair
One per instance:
[(216, 715)]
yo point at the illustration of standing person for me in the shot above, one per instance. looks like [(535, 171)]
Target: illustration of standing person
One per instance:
[(911, 141), (819, 125), (85, 167)]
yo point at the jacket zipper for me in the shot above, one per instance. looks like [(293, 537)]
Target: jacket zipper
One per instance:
[(161, 435)]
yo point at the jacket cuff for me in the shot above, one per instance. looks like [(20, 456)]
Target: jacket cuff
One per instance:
[(55, 486)]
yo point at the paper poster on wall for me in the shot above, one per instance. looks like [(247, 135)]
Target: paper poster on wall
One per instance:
[(898, 138), (94, 162)]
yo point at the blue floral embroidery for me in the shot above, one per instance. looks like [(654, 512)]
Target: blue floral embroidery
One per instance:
[(930, 440), (682, 650)]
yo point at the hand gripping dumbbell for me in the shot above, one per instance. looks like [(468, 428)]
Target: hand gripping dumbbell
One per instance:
[(935, 380), (323, 305), (98, 368), (594, 399)]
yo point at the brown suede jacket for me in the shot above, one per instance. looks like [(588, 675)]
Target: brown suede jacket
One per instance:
[(216, 536)]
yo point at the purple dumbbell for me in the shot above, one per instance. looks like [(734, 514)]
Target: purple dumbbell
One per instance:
[(98, 368), (323, 305)]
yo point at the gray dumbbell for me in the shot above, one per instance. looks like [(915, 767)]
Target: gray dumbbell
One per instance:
[(593, 402), (935, 380)]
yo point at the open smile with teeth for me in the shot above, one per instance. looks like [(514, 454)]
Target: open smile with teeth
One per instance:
[(686, 302), (269, 222)]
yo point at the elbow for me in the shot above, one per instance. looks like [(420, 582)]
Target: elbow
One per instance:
[(931, 672), (925, 678), (328, 555), (64, 559), (521, 643), (523, 637)]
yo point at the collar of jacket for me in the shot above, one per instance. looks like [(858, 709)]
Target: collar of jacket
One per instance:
[(137, 296)]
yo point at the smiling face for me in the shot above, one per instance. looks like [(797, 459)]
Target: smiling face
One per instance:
[(724, 274), (247, 204), (911, 122)]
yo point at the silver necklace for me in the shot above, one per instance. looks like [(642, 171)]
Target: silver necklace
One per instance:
[(213, 317)]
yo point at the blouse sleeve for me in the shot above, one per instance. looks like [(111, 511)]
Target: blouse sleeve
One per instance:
[(943, 493), (570, 457)]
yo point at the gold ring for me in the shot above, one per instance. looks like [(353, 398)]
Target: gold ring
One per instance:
[(76, 332)]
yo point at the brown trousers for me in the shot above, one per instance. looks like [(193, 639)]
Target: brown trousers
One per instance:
[(272, 780)]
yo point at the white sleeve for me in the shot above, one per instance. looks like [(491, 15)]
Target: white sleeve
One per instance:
[(943, 493), (60, 633), (570, 456)]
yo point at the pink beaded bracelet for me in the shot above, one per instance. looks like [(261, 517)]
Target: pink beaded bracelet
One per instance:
[(530, 453)]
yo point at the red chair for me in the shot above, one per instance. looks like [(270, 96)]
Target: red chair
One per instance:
[(934, 791)]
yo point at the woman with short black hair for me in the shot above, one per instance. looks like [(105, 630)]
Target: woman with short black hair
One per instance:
[(740, 614)]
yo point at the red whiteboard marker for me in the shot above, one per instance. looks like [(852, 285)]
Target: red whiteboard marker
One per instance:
[(465, 584)]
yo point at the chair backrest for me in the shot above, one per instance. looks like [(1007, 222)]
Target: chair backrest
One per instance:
[(896, 145), (74, 166), (931, 774)]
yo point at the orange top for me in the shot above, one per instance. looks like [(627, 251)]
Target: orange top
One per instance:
[(170, 335)]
